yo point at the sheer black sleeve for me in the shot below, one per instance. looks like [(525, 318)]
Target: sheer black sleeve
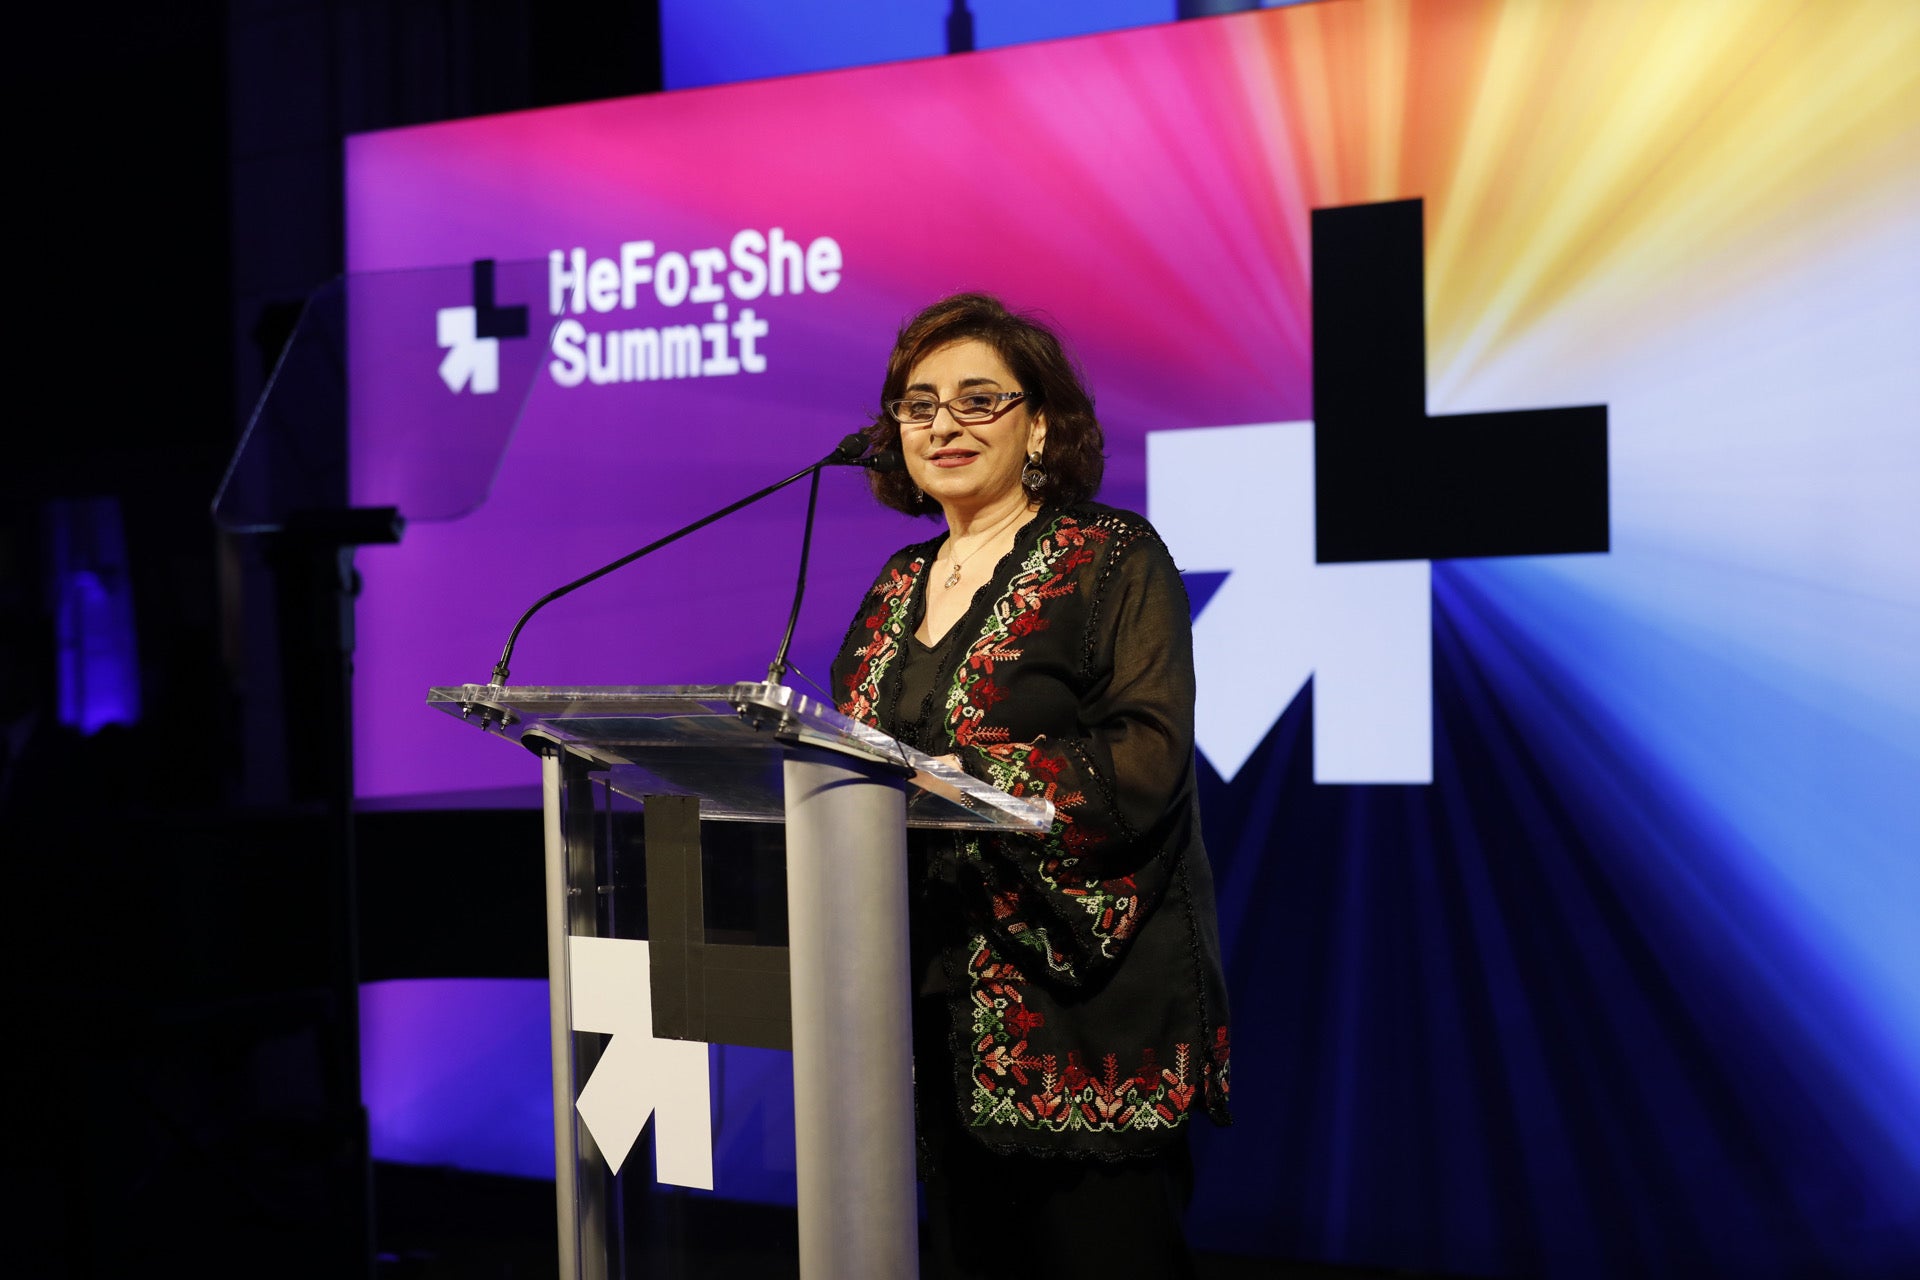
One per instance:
[(1121, 778)]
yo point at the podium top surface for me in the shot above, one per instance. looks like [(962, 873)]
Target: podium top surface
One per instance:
[(725, 744)]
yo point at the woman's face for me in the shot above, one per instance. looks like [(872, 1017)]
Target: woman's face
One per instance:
[(968, 468)]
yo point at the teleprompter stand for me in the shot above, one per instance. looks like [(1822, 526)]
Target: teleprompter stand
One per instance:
[(846, 794)]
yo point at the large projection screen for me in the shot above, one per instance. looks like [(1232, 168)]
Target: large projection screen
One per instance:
[(1561, 891)]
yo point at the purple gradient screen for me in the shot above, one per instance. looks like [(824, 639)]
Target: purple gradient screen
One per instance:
[(1183, 297)]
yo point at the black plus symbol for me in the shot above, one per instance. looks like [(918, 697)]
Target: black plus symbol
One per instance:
[(1392, 483), (490, 321)]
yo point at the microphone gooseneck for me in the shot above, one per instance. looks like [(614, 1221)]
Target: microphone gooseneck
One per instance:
[(777, 669), (849, 452)]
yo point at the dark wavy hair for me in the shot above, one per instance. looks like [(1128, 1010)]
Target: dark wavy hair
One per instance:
[(1073, 454)]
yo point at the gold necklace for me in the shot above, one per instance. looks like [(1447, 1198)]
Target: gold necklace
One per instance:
[(953, 579)]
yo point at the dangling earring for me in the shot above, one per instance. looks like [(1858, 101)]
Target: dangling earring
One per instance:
[(1033, 476)]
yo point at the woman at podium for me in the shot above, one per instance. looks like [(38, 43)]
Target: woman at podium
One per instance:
[(1070, 1017)]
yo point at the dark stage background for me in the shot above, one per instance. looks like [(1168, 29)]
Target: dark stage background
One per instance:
[(1521, 1027)]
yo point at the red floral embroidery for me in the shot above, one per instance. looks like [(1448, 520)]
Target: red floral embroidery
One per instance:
[(1218, 1062), (1023, 1021), (1047, 575), (1005, 1068), (1179, 1093), (888, 623)]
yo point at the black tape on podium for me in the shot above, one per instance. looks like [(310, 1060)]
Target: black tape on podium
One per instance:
[(719, 993)]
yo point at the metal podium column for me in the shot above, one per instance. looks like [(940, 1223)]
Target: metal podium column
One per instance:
[(582, 1203), (852, 1018)]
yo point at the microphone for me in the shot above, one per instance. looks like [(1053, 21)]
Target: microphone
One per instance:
[(851, 451), (848, 452)]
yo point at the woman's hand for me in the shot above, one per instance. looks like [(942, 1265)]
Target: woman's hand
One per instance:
[(938, 782)]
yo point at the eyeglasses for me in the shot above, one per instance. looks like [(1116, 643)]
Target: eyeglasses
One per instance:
[(969, 407)]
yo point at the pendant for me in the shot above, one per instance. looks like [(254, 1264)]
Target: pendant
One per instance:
[(953, 579)]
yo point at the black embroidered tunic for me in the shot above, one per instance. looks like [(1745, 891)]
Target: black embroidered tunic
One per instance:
[(1081, 969)]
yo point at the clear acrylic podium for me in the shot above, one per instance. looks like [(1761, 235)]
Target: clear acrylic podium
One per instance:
[(846, 794)]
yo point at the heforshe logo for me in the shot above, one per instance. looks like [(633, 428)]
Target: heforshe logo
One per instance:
[(471, 336), (1241, 499), (1323, 533), (714, 340)]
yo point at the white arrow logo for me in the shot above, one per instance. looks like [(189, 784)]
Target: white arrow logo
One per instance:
[(638, 1076), (471, 360), (1240, 499)]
